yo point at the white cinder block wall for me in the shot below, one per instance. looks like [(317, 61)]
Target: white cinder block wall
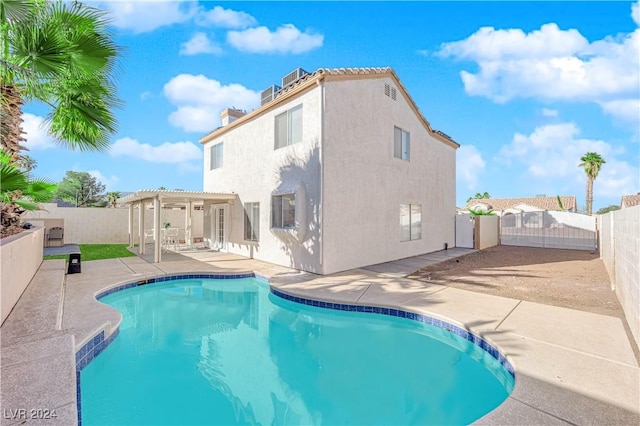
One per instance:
[(364, 184), (253, 169), (620, 251), (107, 225)]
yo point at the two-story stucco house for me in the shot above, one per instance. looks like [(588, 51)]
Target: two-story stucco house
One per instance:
[(337, 169)]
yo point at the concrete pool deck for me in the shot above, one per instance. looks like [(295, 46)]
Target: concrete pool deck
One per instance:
[(572, 367)]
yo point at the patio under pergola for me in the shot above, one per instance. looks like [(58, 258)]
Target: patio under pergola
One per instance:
[(160, 200)]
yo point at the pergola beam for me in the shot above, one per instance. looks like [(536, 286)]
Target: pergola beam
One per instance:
[(159, 198)]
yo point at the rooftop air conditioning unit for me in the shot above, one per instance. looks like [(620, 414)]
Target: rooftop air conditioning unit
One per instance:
[(268, 94), (293, 76)]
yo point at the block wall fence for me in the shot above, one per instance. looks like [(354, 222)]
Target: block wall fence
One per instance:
[(620, 250), (108, 225)]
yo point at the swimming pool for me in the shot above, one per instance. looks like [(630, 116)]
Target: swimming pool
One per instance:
[(228, 351)]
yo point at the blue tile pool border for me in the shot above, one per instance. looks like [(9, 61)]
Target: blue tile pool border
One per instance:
[(465, 334), (97, 343)]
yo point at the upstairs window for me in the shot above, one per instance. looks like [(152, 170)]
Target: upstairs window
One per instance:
[(288, 127), (252, 221), (401, 144), (283, 211), (216, 156)]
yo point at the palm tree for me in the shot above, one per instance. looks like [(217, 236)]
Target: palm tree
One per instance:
[(591, 162), (112, 198), (18, 193), (61, 54)]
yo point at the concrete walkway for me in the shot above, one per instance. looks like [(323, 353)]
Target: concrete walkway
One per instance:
[(572, 367)]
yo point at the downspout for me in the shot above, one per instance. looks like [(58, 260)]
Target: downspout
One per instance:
[(320, 84)]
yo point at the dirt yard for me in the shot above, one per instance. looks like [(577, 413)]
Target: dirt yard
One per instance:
[(569, 278), (573, 279)]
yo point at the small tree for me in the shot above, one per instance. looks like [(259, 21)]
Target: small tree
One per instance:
[(481, 212), (19, 193), (112, 198), (612, 207), (80, 188), (479, 196)]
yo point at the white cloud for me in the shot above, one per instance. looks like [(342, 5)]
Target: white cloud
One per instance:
[(635, 12), (36, 133), (627, 110), (226, 18), (286, 39), (200, 101), (199, 43), (551, 154), (108, 181), (170, 153), (549, 64), (469, 165), (549, 112), (146, 16), (200, 119), (146, 95)]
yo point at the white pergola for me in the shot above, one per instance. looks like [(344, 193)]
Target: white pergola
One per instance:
[(160, 199)]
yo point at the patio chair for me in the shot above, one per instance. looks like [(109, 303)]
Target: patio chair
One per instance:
[(170, 239), (55, 234)]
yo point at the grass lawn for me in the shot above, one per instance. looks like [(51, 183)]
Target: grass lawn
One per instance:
[(98, 252)]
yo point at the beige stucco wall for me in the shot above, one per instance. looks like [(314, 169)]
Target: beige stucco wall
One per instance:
[(620, 251), (352, 185), (487, 232), (364, 184), (107, 225), (20, 257), (254, 170)]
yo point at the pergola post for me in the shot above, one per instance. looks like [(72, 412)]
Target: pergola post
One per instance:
[(188, 223), (131, 236), (157, 205), (141, 239)]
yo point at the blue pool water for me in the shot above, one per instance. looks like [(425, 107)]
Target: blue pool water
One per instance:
[(217, 351)]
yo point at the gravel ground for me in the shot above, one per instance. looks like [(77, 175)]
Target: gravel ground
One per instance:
[(573, 279)]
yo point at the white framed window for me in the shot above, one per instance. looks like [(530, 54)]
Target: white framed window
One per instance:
[(401, 144), (283, 211), (252, 221), (288, 127), (216, 156), (410, 222)]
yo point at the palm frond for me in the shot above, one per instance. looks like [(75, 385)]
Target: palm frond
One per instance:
[(15, 10)]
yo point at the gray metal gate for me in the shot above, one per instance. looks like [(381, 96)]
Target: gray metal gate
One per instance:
[(549, 229)]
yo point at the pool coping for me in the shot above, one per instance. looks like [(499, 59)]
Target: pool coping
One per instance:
[(98, 343)]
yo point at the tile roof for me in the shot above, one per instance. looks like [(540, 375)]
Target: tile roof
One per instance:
[(630, 201), (545, 203), (320, 73)]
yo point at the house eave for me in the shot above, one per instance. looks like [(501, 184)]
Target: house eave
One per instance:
[(323, 74)]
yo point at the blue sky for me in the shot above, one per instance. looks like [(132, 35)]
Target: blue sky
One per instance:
[(526, 88)]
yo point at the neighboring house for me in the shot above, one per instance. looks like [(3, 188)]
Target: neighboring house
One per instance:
[(503, 206), (629, 201), (337, 169)]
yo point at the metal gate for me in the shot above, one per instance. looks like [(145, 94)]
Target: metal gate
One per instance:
[(549, 229), (464, 231)]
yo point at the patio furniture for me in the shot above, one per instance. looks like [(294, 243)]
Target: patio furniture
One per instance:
[(74, 264), (55, 234), (170, 238)]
